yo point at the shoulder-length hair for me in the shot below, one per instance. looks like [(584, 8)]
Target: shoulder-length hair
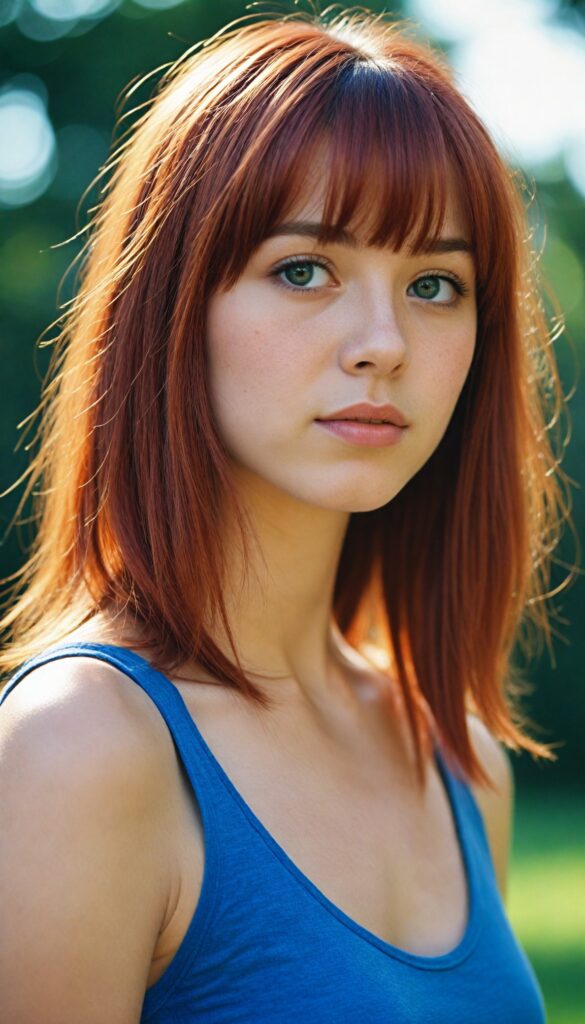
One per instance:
[(133, 476)]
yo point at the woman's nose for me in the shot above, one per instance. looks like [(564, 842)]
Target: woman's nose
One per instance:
[(376, 340)]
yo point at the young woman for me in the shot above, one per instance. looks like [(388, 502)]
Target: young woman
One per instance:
[(297, 497)]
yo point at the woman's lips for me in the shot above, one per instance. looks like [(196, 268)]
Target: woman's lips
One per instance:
[(368, 435)]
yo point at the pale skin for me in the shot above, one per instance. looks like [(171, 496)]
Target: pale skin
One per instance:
[(280, 358), (333, 759)]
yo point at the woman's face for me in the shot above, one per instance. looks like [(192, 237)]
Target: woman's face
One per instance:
[(309, 329)]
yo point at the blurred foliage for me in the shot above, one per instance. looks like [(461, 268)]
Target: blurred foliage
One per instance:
[(547, 885), (83, 73)]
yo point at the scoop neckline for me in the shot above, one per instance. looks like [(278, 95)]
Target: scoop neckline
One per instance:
[(444, 960), (441, 962)]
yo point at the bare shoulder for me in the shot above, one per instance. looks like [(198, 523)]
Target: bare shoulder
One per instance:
[(81, 703), (85, 763), (84, 722), (495, 805)]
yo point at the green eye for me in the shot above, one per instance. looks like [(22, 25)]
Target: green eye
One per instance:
[(437, 288), (303, 274), (427, 287), (299, 273)]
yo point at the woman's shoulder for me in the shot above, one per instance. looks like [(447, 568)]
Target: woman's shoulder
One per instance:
[(84, 719), (84, 806)]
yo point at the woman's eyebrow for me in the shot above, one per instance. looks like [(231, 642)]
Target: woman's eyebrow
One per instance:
[(332, 234)]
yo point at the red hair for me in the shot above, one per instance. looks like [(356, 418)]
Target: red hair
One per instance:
[(135, 477)]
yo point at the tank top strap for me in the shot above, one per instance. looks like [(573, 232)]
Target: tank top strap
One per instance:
[(166, 697), (467, 814)]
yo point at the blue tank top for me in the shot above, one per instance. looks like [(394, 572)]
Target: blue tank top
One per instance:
[(266, 946)]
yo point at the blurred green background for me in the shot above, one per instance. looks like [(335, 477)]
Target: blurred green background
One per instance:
[(63, 66)]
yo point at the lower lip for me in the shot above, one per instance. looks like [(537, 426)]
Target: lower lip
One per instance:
[(370, 435)]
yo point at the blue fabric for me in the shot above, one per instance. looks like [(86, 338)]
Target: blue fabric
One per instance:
[(265, 945)]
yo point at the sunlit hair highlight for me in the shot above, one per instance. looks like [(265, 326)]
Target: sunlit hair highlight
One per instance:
[(132, 476)]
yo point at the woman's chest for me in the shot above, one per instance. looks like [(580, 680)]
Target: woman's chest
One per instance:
[(350, 818)]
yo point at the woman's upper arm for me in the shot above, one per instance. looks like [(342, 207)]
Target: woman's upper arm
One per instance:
[(496, 806), (82, 867)]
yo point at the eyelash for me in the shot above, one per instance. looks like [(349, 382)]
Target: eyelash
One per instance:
[(292, 261)]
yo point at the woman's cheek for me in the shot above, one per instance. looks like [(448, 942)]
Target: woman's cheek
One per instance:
[(446, 373)]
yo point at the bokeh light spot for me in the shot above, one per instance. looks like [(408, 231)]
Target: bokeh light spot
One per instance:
[(9, 10), (28, 156), (70, 10), (523, 72), (158, 5)]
